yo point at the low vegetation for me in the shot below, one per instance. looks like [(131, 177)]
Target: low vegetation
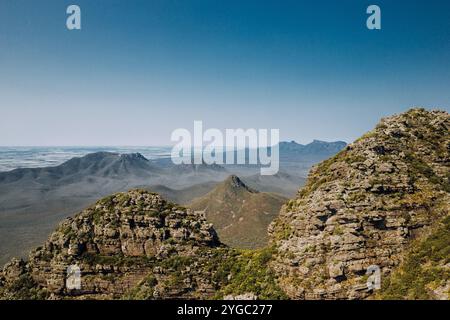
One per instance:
[(424, 270), (248, 271)]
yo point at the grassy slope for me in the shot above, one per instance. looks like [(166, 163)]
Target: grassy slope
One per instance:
[(239, 214), (425, 272)]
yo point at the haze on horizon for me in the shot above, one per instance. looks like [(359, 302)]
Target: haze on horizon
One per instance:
[(139, 70)]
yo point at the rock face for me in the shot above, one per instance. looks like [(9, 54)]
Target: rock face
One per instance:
[(116, 244), (363, 207)]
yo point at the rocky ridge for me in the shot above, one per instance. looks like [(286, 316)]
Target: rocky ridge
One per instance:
[(135, 245), (364, 207), (116, 243)]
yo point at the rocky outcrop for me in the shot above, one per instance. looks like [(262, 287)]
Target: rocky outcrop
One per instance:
[(136, 245), (245, 296), (116, 244), (363, 207)]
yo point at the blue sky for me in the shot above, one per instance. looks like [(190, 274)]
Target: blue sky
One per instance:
[(140, 69)]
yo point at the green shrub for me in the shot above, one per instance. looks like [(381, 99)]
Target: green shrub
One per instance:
[(25, 288), (249, 272), (423, 267)]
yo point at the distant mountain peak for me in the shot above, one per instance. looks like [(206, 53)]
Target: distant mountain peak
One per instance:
[(133, 156), (317, 149), (239, 213), (316, 141), (97, 155), (235, 182)]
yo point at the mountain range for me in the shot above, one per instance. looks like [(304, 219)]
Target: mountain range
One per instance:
[(315, 149), (33, 201), (381, 203)]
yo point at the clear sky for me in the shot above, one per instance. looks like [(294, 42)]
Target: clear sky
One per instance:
[(140, 69)]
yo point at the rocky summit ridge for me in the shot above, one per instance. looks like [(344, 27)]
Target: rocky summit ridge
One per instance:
[(366, 206), (116, 243)]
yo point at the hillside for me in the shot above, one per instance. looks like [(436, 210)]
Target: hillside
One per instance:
[(424, 273), (239, 213), (136, 245), (34, 201), (184, 195), (116, 243), (367, 206), (285, 184)]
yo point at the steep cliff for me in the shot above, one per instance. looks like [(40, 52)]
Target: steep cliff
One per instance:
[(364, 207)]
